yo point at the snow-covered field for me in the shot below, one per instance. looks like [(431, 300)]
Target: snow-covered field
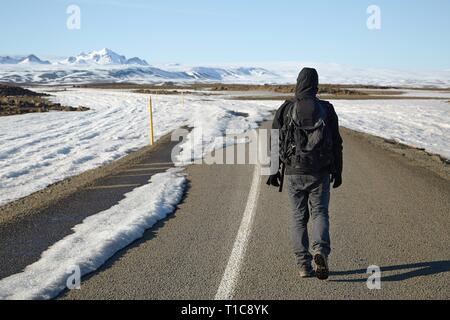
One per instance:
[(418, 123), (37, 150)]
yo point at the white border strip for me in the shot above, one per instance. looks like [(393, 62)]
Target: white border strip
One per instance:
[(229, 280)]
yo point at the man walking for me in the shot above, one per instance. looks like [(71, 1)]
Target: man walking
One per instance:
[(311, 151)]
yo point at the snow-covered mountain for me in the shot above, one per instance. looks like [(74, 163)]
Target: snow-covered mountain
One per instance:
[(84, 73), (31, 59), (137, 61), (103, 57), (108, 66), (221, 73), (9, 60)]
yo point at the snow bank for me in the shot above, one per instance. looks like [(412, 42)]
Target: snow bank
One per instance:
[(97, 238)]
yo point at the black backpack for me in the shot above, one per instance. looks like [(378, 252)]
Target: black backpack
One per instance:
[(309, 149)]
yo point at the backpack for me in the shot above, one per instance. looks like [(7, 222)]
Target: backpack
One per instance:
[(309, 149)]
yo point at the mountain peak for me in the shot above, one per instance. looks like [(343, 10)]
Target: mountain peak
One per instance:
[(107, 51), (30, 59), (104, 56)]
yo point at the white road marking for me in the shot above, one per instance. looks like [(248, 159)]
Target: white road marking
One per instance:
[(230, 277)]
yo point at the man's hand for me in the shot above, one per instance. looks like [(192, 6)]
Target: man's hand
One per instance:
[(274, 180), (336, 179)]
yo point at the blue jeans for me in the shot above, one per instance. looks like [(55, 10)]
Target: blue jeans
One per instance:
[(310, 197)]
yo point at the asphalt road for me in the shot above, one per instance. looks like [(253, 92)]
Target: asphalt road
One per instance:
[(234, 232)]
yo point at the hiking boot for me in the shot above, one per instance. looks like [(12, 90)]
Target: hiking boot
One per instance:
[(321, 262), (306, 271)]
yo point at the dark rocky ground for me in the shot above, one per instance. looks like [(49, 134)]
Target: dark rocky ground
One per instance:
[(16, 100), (268, 91), (14, 91)]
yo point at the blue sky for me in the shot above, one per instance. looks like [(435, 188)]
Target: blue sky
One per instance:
[(414, 35)]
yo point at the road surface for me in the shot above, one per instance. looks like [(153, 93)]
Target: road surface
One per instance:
[(231, 236)]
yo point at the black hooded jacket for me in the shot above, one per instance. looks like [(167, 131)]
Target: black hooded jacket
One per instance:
[(306, 96)]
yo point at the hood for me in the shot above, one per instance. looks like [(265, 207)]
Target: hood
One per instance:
[(307, 83)]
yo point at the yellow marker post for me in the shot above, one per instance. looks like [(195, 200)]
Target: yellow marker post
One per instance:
[(152, 135), (182, 99)]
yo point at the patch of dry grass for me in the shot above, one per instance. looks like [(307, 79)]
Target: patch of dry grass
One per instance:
[(15, 100)]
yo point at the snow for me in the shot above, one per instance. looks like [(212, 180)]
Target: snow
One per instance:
[(97, 238), (74, 71), (37, 150), (102, 57), (32, 59), (330, 73), (419, 123), (108, 66), (28, 60)]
